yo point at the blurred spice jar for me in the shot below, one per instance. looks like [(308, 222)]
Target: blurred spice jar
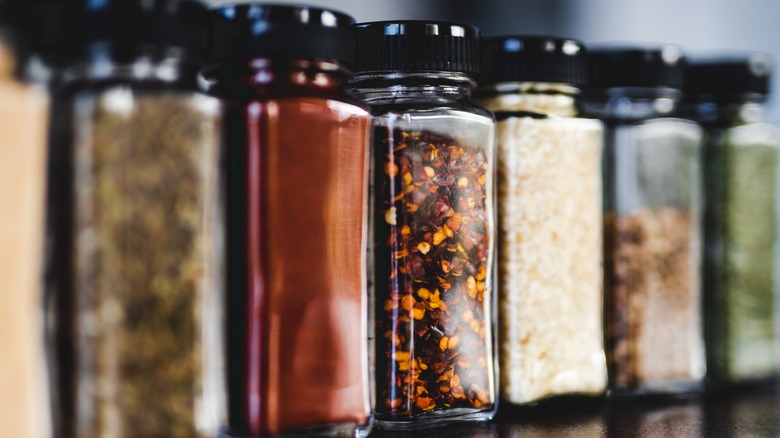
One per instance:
[(296, 148), (432, 223), (727, 95), (652, 228), (24, 409), (136, 285), (550, 219)]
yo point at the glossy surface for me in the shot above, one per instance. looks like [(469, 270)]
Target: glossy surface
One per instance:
[(751, 412)]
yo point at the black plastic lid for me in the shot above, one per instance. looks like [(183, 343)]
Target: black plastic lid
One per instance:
[(418, 46), (138, 22), (652, 67), (534, 59), (251, 30), (729, 78)]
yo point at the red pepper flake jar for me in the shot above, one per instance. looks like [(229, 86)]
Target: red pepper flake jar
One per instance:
[(432, 223), (297, 168)]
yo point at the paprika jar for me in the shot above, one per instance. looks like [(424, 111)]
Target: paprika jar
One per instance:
[(24, 407), (296, 151), (653, 220), (551, 336), (135, 273), (432, 222), (727, 96)]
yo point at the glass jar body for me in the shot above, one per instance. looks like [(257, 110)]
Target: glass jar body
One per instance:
[(741, 236), (653, 242), (432, 259), (136, 275), (24, 409), (550, 241), (296, 148)]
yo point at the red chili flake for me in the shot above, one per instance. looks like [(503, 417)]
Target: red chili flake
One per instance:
[(430, 261)]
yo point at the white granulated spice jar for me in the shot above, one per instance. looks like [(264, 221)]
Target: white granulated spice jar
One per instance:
[(550, 219)]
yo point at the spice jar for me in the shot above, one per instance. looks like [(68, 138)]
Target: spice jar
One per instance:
[(550, 219), (432, 223), (24, 409), (726, 95), (136, 285), (297, 169), (652, 225)]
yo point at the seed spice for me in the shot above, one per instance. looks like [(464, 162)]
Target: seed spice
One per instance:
[(550, 223), (142, 260), (433, 282), (653, 317)]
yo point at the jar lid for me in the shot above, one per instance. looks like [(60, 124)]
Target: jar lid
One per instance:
[(418, 46), (250, 30), (133, 22), (534, 59), (733, 77), (640, 67)]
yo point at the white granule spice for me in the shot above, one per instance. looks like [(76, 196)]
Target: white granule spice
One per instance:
[(550, 217)]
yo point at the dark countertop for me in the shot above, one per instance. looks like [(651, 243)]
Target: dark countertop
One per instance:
[(752, 411)]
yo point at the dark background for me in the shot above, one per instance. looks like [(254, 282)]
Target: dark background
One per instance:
[(699, 26)]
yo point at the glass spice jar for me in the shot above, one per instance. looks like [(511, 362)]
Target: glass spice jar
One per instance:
[(432, 223), (296, 147), (653, 220), (135, 276), (24, 408), (550, 219), (726, 95)]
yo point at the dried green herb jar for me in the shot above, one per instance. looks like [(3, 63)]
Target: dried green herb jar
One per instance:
[(726, 95), (135, 279)]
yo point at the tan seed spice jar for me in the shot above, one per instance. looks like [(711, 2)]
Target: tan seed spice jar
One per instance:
[(550, 220), (653, 222), (23, 121)]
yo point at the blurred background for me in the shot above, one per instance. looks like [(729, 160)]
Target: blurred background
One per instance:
[(699, 26)]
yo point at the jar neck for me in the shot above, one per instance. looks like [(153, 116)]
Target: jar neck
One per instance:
[(630, 104), (152, 65), (540, 98), (276, 76), (382, 88), (735, 112)]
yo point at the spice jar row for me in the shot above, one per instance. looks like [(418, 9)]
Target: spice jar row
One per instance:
[(338, 234)]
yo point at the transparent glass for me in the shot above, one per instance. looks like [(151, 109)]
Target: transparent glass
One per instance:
[(741, 235), (297, 160), (550, 240), (24, 409), (653, 242), (137, 254), (433, 242)]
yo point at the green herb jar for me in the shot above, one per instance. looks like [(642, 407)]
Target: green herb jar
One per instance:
[(727, 97)]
